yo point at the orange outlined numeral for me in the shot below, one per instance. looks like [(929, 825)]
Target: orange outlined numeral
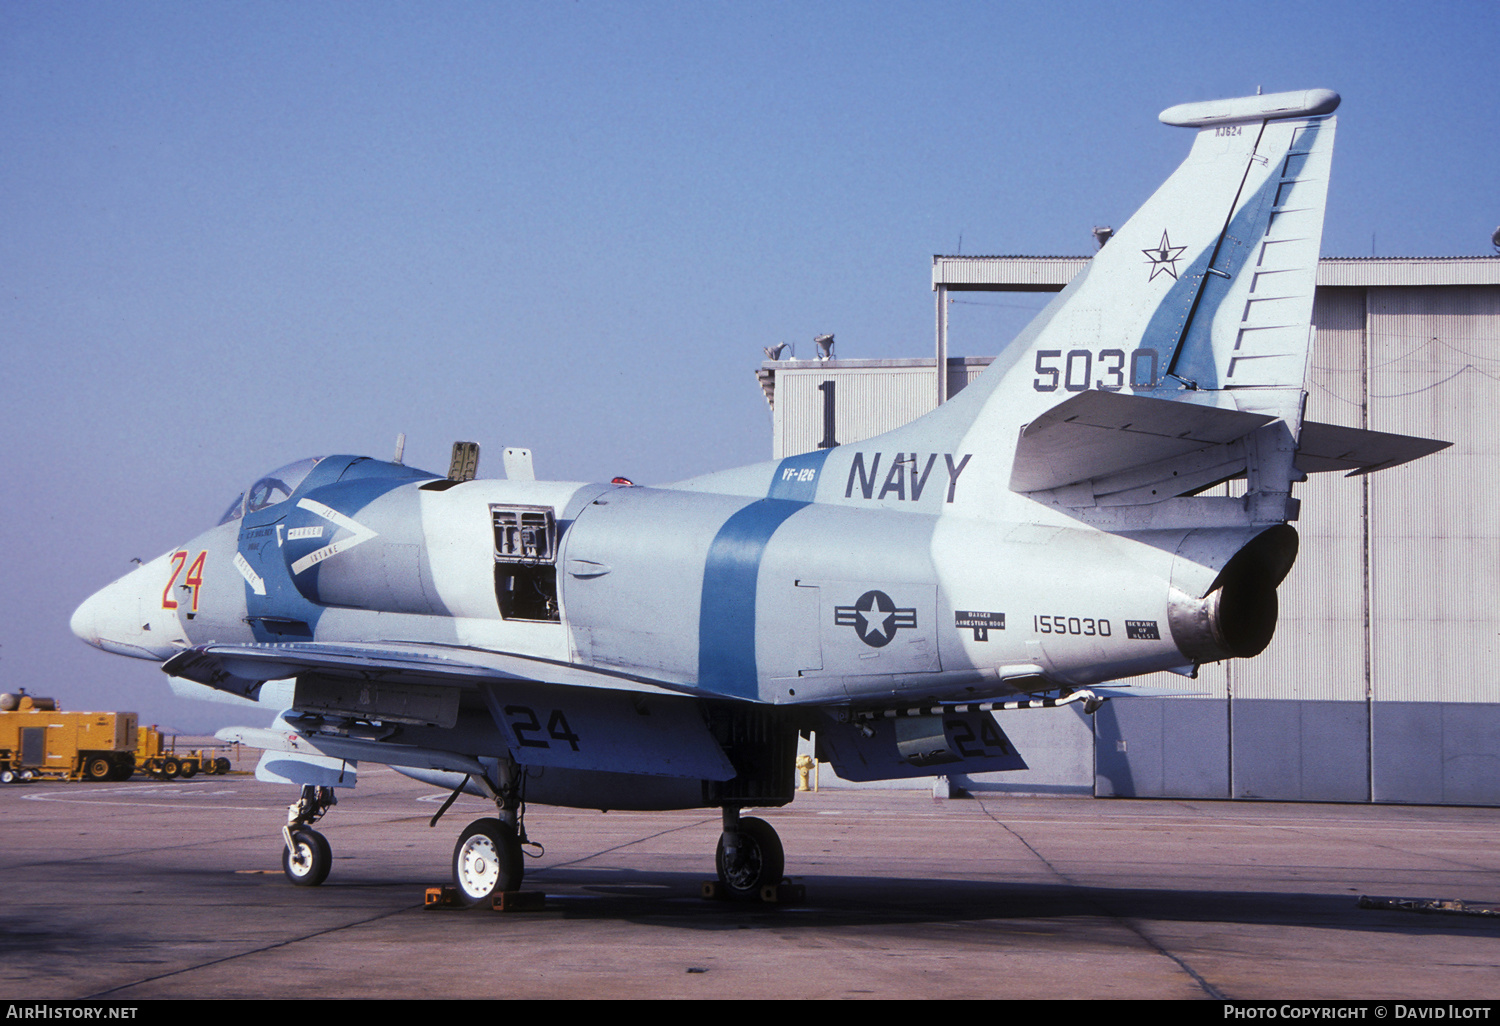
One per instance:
[(194, 578), (179, 560)]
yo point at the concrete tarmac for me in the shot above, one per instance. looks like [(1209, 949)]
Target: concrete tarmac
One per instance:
[(142, 890)]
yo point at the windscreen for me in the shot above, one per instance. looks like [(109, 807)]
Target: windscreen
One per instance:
[(274, 487)]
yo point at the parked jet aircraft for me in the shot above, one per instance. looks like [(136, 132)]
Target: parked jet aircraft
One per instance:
[(610, 646)]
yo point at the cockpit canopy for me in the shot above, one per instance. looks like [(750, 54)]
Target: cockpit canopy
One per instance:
[(274, 487)]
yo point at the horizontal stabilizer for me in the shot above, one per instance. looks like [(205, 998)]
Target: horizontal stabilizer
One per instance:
[(1323, 448), (1096, 433)]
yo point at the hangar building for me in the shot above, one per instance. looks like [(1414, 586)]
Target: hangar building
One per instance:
[(1382, 682)]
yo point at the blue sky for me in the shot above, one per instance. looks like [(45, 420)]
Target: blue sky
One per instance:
[(235, 234)]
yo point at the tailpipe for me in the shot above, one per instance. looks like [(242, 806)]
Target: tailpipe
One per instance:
[(1236, 616)]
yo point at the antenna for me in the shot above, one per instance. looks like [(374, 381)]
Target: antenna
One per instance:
[(400, 448)]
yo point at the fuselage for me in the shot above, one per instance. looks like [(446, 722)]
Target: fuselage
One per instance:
[(777, 599)]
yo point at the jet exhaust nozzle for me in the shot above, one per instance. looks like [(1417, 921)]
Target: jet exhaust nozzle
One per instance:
[(1236, 617)]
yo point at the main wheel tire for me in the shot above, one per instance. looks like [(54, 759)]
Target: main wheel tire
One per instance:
[(759, 862), (487, 861), (307, 862), (98, 768)]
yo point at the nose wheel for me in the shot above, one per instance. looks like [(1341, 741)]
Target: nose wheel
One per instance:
[(487, 861), (750, 856), (307, 861)]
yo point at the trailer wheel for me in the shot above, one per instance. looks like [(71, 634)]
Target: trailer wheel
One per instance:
[(170, 769), (221, 765), (7, 776), (98, 768), (188, 768)]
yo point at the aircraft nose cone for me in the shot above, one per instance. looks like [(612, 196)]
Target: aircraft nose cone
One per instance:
[(85, 617), (120, 617)]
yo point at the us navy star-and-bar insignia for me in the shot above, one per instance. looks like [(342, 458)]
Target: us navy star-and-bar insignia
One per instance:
[(875, 618), (980, 622), (1164, 257)]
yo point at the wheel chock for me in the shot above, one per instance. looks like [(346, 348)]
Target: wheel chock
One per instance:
[(442, 897), (519, 901), (783, 893), (506, 901)]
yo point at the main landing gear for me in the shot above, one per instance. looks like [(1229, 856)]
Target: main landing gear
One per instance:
[(750, 857), (487, 859), (306, 856)]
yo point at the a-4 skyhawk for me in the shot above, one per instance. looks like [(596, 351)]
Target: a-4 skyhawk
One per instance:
[(607, 646)]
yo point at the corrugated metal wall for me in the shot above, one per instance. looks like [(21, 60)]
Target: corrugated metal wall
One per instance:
[(1435, 528), (864, 401), (1318, 652)]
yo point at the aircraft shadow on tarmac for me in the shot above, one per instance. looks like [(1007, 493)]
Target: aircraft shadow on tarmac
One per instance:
[(843, 900)]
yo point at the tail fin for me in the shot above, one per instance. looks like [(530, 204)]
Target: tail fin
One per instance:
[(1209, 287), (1204, 297)]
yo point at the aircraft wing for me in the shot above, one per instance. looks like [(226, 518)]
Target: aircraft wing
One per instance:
[(238, 668), (548, 714)]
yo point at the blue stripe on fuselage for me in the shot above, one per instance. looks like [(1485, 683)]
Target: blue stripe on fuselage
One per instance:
[(726, 616)]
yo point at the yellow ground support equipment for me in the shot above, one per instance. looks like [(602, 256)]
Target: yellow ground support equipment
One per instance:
[(158, 757), (37, 740)]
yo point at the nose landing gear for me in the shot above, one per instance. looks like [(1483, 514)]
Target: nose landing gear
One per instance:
[(306, 856)]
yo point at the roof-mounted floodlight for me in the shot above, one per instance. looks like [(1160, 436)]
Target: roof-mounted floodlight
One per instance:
[(774, 352), (1300, 104), (825, 347)]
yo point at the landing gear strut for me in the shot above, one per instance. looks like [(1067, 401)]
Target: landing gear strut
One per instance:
[(750, 856), (306, 856)]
